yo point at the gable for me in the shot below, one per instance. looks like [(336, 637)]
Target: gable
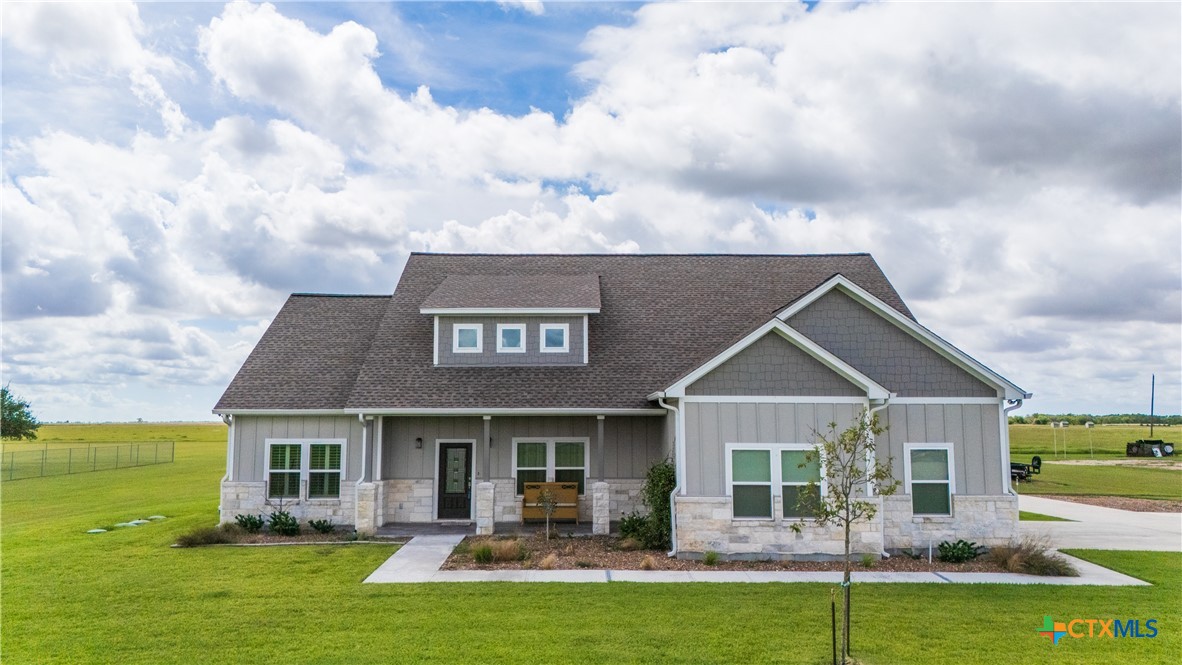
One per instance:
[(772, 365), (883, 351)]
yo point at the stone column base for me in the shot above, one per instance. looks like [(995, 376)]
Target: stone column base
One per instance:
[(485, 501), (365, 508), (600, 509)]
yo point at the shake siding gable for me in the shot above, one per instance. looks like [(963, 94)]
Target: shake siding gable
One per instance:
[(773, 366)]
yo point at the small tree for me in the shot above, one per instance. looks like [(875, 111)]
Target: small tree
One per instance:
[(16, 422), (548, 502), (849, 465)]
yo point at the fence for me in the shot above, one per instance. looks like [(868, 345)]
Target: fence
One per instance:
[(18, 464)]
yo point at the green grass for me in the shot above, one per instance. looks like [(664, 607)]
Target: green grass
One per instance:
[(1137, 482), (1080, 442), (1039, 517), (127, 597)]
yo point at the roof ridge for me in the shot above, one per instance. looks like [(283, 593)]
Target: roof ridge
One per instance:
[(341, 295), (651, 254)]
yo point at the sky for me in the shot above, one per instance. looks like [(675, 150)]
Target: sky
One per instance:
[(172, 171)]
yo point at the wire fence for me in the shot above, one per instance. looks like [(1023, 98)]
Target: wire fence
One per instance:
[(19, 464)]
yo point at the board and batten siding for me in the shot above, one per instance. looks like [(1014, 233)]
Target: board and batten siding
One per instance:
[(974, 430), (709, 426), (251, 434), (631, 443)]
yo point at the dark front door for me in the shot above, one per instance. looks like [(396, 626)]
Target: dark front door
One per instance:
[(455, 481)]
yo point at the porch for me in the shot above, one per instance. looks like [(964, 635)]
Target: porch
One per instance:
[(412, 529)]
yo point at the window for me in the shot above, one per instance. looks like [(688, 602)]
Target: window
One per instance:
[(467, 338), (510, 338), (297, 464), (550, 460), (929, 478), (555, 337), (756, 473)]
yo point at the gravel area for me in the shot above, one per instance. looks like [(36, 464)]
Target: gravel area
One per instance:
[(1122, 503), (606, 552)]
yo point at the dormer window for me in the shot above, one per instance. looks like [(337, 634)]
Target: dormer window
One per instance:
[(467, 338), (510, 338), (555, 337)]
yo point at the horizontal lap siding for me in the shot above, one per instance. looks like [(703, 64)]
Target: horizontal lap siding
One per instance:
[(973, 430), (252, 432), (711, 425)]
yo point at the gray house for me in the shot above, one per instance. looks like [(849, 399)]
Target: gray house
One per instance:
[(484, 372)]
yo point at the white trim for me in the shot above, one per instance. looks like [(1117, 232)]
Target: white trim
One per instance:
[(776, 477), (380, 440), (475, 411), (435, 357), (231, 462), (305, 462), (873, 389), (435, 480), (586, 342), (995, 401), (455, 337), (520, 327), (544, 327), (774, 399), (948, 447), (919, 332), (508, 311), (286, 412), (550, 465)]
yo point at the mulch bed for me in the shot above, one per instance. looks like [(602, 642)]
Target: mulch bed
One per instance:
[(1122, 503), (604, 552)]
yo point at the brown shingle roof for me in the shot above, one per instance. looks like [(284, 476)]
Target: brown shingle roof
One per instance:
[(662, 315), (515, 292)]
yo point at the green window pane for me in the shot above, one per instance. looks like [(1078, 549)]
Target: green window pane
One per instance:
[(466, 338), (752, 500), (524, 477), (324, 456), (795, 469), (929, 465), (286, 456), (324, 485), (282, 485), (568, 453), (570, 476), (801, 500), (555, 338), (930, 499), (511, 338), (751, 466), (531, 454)]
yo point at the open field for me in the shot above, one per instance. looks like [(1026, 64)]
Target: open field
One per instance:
[(125, 596), (1107, 441), (1139, 482)]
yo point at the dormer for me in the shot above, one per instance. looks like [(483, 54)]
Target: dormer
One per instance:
[(512, 320)]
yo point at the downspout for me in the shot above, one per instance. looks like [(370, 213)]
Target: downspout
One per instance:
[(1005, 423), (678, 456), (229, 421), (364, 449), (872, 459)]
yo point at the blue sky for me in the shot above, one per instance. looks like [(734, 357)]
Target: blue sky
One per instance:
[(173, 171)]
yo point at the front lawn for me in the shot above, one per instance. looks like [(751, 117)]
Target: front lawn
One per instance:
[(127, 597), (1108, 480), (1039, 517)]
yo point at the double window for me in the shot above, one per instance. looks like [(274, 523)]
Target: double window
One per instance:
[(929, 477), (304, 469), (758, 472), (550, 460)]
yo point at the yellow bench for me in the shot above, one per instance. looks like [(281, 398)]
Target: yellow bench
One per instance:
[(566, 495)]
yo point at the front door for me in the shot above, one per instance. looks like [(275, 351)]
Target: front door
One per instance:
[(455, 481)]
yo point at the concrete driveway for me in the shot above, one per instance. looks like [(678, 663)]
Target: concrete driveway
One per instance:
[(1100, 528)]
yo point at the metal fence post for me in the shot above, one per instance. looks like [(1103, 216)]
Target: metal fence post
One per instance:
[(70, 462), (117, 451), (155, 452), (43, 461), (11, 464)]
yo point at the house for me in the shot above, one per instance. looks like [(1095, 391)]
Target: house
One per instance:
[(484, 372)]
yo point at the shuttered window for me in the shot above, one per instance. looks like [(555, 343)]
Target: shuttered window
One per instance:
[(324, 471), (550, 460), (304, 469), (283, 475)]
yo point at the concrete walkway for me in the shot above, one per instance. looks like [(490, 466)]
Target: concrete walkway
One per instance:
[(1096, 527), (419, 561)]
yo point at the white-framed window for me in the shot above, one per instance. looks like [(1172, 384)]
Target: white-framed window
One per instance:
[(555, 337), (558, 460), (305, 468), (928, 473), (467, 338), (510, 338), (758, 472)]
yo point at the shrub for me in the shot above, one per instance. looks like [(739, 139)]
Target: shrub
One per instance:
[(321, 526), (210, 535), (584, 564), (1032, 556), (482, 553), (658, 484), (867, 560), (549, 562), (633, 525), (250, 523), (629, 544), (648, 563), (507, 550), (283, 524), (710, 558), (959, 552)]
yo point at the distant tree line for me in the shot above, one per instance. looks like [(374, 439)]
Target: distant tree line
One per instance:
[(1082, 418)]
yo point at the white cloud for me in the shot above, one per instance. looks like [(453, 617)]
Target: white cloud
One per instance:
[(531, 6)]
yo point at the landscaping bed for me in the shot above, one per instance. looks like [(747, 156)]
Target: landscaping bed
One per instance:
[(614, 553), (1123, 503)]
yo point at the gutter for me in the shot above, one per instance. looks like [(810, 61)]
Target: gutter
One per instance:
[(1005, 422), (678, 460)]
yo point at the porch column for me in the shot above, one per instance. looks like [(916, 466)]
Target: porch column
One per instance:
[(599, 449), (486, 462)]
